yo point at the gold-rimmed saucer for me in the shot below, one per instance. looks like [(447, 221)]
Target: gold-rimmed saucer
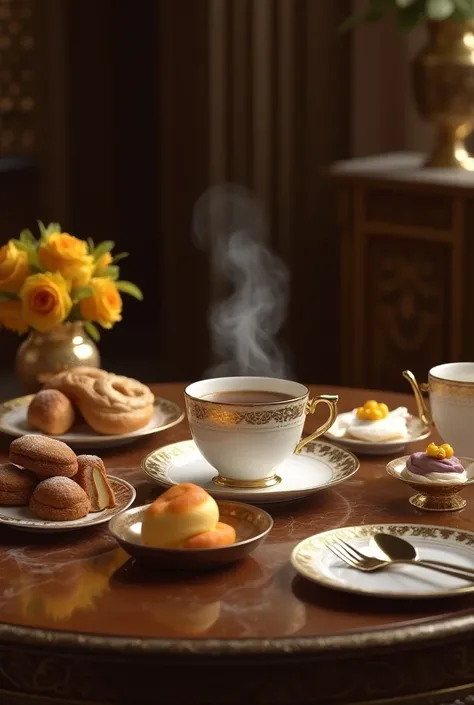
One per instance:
[(319, 466), (251, 525), (13, 422), (433, 496), (417, 430)]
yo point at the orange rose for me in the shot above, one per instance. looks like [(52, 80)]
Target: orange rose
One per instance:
[(14, 268), (46, 301), (11, 316), (66, 254), (105, 305)]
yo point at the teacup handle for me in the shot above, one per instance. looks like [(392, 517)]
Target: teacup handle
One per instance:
[(329, 399), (418, 389)]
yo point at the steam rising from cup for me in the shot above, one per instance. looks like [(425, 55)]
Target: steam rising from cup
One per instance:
[(230, 223)]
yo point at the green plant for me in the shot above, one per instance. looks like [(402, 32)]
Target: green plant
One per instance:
[(409, 13)]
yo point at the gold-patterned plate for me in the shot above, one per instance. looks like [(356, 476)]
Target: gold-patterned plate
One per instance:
[(416, 431), (314, 561), (251, 524), (22, 518), (13, 422), (319, 466)]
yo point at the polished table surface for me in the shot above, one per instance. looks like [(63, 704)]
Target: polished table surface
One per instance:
[(80, 591)]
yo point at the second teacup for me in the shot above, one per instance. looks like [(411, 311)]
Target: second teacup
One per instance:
[(246, 427), (451, 406)]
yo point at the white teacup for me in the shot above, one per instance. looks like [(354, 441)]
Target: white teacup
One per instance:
[(451, 408), (247, 440)]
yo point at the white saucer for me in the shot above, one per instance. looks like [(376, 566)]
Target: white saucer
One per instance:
[(417, 431), (13, 422), (22, 518), (320, 465), (314, 561)]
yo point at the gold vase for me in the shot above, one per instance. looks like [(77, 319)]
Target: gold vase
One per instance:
[(43, 354), (443, 77)]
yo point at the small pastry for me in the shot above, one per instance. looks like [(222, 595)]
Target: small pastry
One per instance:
[(180, 513), (221, 535), (44, 456), (110, 404), (436, 464), (59, 499), (51, 411), (16, 485), (374, 423), (92, 477)]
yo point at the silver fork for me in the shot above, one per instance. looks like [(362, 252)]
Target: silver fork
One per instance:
[(351, 556)]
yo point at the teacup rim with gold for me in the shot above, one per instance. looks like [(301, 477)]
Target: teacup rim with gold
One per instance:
[(247, 416)]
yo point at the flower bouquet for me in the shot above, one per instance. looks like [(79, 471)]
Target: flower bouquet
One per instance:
[(57, 278)]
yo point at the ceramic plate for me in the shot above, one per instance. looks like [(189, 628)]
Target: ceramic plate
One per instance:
[(320, 465), (251, 525), (417, 431), (314, 561), (13, 421), (22, 518)]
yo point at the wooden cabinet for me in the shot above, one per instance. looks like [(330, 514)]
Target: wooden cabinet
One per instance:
[(407, 268)]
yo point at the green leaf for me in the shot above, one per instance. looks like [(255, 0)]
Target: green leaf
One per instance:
[(120, 257), (92, 330), (21, 245), (129, 288), (111, 272), (82, 292), (33, 261), (8, 296), (439, 9), (46, 231), (464, 8), (27, 237), (104, 247), (90, 242)]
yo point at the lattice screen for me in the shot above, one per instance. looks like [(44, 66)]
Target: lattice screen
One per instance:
[(17, 96)]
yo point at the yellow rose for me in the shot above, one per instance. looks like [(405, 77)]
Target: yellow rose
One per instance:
[(45, 301), (104, 261), (105, 306), (67, 254), (14, 268), (10, 316)]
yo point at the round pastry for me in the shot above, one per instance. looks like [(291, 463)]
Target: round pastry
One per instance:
[(16, 485), (110, 404), (92, 477), (51, 411), (44, 456), (59, 499), (221, 535), (181, 512), (436, 464), (375, 423)]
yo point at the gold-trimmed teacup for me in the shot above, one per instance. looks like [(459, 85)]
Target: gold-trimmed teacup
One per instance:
[(246, 442), (451, 403)]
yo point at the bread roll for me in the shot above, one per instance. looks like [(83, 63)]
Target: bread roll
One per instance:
[(51, 411), (59, 499), (181, 512), (221, 535), (44, 456), (16, 485)]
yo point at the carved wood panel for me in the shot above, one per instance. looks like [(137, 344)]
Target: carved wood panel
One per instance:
[(17, 77), (407, 299)]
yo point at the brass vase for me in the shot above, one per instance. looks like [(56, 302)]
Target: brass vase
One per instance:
[(43, 354), (443, 76)]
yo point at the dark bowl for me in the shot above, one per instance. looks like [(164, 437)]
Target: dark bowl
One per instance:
[(251, 525)]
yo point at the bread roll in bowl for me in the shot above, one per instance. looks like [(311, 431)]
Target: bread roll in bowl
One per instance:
[(180, 513), (221, 535)]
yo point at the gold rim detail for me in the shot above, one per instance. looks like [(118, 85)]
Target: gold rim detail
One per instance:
[(223, 415)]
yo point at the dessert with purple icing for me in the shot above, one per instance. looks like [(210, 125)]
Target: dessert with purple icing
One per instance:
[(436, 464)]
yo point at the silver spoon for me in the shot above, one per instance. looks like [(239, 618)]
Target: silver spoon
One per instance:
[(400, 551)]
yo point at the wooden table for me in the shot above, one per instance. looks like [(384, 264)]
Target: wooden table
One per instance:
[(80, 622)]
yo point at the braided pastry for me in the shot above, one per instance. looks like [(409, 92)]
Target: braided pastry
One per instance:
[(110, 404)]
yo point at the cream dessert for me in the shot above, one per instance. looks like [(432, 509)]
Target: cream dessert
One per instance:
[(373, 423), (436, 464)]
